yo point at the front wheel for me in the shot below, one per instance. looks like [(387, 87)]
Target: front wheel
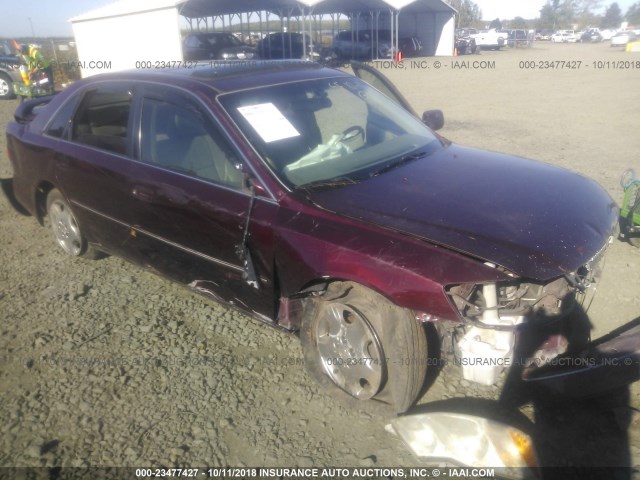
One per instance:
[(6, 87), (66, 229), (364, 349)]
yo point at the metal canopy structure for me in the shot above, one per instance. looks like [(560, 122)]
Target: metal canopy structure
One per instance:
[(211, 8), (409, 16), (153, 28)]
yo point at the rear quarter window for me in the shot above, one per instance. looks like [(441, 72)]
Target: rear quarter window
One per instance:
[(58, 126)]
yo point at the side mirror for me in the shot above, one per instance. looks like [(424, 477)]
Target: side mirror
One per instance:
[(434, 119), (250, 182), (259, 189)]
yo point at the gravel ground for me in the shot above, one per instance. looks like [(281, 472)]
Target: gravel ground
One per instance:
[(104, 364)]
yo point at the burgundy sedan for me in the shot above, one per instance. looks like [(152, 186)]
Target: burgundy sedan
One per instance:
[(315, 202)]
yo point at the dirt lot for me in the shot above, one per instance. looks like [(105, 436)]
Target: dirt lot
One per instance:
[(101, 363)]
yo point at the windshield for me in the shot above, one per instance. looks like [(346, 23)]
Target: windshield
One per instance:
[(337, 129), (4, 50), (224, 40)]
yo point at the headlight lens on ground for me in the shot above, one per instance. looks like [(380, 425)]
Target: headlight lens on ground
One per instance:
[(469, 441)]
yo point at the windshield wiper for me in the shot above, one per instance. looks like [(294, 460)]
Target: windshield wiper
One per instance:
[(331, 183), (398, 163)]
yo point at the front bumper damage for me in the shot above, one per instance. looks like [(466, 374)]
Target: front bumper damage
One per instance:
[(516, 324), (542, 330)]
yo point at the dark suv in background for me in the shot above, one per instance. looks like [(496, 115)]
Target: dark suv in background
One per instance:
[(9, 71), (284, 45), (363, 45), (216, 46)]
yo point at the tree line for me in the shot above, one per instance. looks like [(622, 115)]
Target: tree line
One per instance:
[(555, 14)]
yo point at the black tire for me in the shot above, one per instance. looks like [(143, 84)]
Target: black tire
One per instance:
[(66, 229), (6, 87), (391, 350)]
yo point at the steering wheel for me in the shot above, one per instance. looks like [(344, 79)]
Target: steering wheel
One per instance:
[(352, 133)]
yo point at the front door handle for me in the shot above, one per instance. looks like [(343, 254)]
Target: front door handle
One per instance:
[(142, 193)]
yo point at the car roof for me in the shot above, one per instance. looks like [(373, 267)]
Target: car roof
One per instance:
[(226, 76), (207, 34), (285, 34)]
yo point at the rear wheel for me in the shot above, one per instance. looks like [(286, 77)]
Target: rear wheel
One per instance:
[(66, 229), (363, 349)]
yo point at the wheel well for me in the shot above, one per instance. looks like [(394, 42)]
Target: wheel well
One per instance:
[(42, 192), (320, 285), (290, 309)]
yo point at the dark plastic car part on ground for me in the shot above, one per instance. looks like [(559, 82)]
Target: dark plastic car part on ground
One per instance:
[(607, 363)]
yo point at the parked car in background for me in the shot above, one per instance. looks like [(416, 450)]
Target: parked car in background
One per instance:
[(620, 39), (363, 44), (465, 44), (463, 32), (568, 36), (519, 38), (286, 45), (258, 184), (560, 37), (504, 34), (252, 38), (607, 33), (216, 46), (490, 39), (9, 71), (544, 35), (591, 35)]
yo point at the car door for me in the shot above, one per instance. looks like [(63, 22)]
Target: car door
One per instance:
[(376, 79), (92, 158), (192, 211)]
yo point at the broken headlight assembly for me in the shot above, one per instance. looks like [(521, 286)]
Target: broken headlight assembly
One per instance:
[(469, 441), (493, 311)]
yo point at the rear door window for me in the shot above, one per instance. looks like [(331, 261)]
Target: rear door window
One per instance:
[(102, 121)]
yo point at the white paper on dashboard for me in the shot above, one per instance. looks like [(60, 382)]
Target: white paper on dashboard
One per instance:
[(269, 122)]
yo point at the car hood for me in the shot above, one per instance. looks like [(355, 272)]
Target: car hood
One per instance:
[(9, 59), (536, 220)]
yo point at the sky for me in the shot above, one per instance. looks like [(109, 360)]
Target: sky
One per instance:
[(50, 18), (507, 9)]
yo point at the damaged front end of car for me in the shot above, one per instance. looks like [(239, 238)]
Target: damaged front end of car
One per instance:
[(496, 316)]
